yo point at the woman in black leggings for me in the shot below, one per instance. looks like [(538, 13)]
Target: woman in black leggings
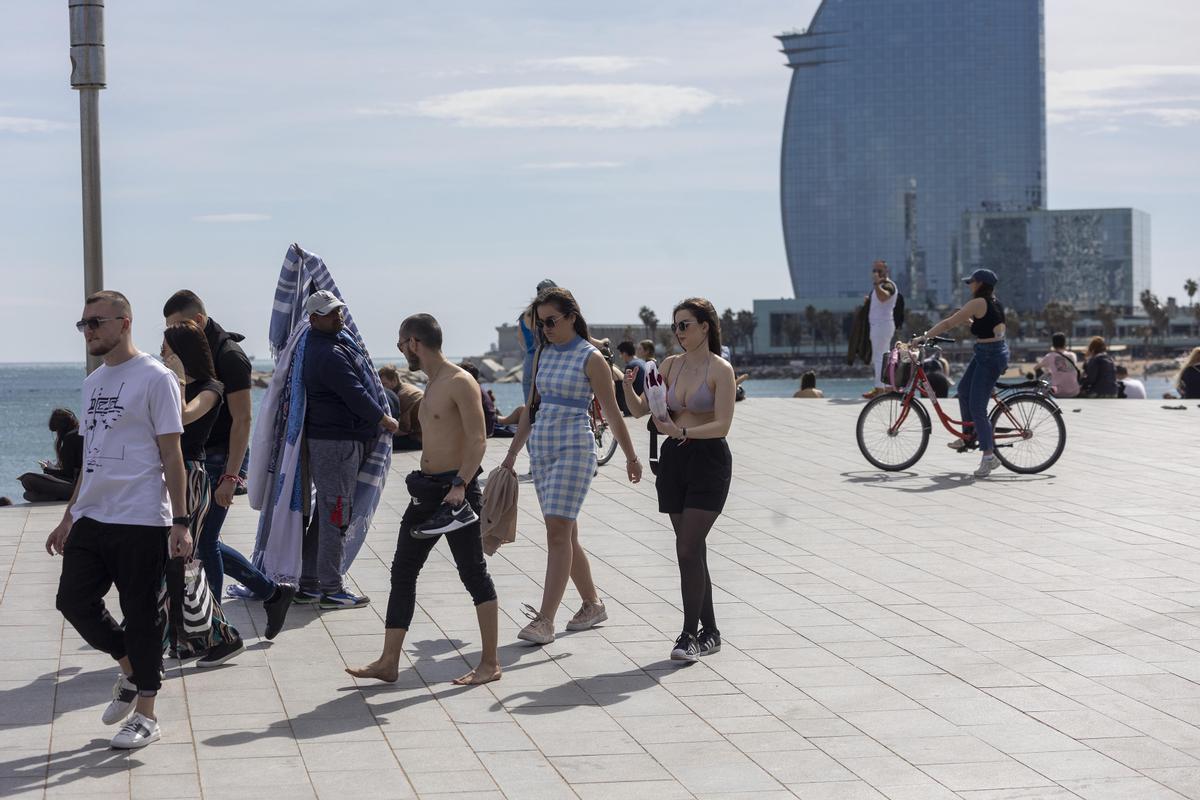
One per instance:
[(695, 466)]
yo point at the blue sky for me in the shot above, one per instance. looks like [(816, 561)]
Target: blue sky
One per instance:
[(446, 157)]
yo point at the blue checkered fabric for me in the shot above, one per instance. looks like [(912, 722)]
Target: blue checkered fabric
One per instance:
[(562, 447)]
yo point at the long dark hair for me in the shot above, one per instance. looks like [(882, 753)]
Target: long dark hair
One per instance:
[(62, 422), (984, 290), (705, 312), (564, 301), (188, 342)]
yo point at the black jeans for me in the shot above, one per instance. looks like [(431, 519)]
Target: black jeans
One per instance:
[(466, 546), (133, 557)]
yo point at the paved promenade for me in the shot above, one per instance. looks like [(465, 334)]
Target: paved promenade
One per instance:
[(914, 636)]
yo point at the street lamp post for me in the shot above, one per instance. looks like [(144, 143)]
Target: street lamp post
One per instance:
[(87, 76)]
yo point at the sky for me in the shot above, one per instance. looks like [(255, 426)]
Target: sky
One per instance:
[(446, 157)]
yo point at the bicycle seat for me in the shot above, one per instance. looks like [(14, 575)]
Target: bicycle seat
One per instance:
[(1033, 384)]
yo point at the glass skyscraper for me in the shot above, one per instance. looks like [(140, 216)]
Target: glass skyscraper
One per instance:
[(904, 115)]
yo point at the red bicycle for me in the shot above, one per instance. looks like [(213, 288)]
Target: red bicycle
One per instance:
[(893, 429)]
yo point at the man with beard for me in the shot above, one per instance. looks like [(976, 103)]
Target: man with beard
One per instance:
[(225, 458), (341, 419), (446, 500), (128, 510)]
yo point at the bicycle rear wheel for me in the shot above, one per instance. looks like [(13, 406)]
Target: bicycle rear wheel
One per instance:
[(1030, 436), (606, 444), (885, 445)]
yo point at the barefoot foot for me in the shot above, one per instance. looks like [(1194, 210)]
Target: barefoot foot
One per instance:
[(378, 670), (479, 676)]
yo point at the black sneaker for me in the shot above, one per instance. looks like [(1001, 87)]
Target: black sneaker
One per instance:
[(686, 648), (303, 598), (709, 641), (445, 520), (220, 653), (277, 609)]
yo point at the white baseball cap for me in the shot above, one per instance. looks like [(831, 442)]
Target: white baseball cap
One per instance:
[(322, 303)]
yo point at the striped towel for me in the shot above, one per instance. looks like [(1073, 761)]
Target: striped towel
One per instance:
[(274, 475)]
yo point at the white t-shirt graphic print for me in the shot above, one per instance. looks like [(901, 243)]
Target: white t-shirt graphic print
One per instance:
[(125, 409)]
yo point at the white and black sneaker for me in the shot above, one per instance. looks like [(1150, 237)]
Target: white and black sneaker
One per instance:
[(687, 648), (124, 696), (138, 731), (709, 641), (445, 520)]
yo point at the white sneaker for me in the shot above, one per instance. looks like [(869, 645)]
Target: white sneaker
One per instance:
[(138, 731), (124, 696), (986, 465)]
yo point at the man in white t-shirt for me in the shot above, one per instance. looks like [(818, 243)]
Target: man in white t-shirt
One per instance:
[(882, 321), (1129, 388), (128, 512)]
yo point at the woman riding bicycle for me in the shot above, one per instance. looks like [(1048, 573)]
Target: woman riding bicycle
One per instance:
[(986, 315)]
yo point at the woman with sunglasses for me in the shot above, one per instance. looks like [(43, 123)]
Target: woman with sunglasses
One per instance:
[(694, 465), (185, 351), (569, 371)]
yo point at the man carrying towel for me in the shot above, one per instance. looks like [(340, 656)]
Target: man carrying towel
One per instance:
[(341, 421), (445, 501)]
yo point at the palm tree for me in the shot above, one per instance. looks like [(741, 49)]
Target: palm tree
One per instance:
[(793, 331), (729, 332), (649, 320), (1190, 287), (1108, 317), (746, 323)]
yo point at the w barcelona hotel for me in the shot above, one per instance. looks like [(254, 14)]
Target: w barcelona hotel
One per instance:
[(915, 132)]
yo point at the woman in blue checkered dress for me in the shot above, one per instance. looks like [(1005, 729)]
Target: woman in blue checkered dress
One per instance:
[(563, 453)]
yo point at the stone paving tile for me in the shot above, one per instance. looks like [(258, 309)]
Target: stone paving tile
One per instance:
[(912, 636)]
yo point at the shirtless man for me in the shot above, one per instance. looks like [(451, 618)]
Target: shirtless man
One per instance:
[(445, 502)]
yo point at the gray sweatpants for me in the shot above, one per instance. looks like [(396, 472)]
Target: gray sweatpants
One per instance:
[(334, 465)]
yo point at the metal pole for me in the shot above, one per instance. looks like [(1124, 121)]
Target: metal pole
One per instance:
[(88, 76)]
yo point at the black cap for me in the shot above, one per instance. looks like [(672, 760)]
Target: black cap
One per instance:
[(984, 276)]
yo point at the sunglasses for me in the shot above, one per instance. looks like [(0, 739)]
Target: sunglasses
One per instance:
[(683, 325), (550, 322), (94, 323), (879, 271)]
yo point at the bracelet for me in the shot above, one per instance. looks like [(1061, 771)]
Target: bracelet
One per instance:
[(181, 520), (237, 479)]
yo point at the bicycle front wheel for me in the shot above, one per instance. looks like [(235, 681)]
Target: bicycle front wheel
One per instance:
[(891, 436), (1030, 433)]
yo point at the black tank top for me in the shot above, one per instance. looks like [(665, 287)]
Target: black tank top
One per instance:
[(985, 326)]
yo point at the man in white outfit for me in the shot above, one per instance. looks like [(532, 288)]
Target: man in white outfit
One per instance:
[(883, 324)]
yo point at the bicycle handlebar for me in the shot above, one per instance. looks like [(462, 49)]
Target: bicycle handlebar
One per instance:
[(938, 339)]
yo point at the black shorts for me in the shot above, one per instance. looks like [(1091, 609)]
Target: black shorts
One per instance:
[(693, 473)]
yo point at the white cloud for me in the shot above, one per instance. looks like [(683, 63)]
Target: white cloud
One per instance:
[(1167, 95), (594, 65), (613, 105), (31, 125), (231, 218), (556, 165)]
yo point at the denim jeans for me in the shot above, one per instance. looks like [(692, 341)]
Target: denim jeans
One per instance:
[(218, 558), (975, 388)]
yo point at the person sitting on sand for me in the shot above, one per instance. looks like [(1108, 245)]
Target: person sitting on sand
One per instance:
[(808, 386), (56, 481), (1187, 381), (1099, 371), (1129, 388)]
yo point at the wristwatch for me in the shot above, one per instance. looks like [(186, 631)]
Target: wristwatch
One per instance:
[(180, 520), (457, 481)]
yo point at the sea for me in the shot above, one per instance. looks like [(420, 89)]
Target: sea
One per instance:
[(29, 392)]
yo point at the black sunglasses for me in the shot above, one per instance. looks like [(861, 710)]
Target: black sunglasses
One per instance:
[(550, 322), (683, 325), (94, 323)]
